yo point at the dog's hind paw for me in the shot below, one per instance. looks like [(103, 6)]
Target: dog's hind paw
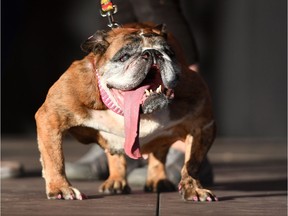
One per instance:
[(67, 193), (112, 186), (163, 185)]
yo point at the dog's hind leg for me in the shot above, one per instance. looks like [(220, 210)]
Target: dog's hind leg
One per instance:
[(157, 180), (117, 181), (197, 147)]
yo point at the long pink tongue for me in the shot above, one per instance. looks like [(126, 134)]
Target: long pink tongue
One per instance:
[(132, 102)]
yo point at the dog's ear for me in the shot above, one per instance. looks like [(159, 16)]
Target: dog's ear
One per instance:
[(96, 43), (162, 28)]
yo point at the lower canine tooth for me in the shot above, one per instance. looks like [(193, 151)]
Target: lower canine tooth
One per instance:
[(147, 92), (158, 90)]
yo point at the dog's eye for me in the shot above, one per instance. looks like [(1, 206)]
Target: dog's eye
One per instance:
[(124, 57)]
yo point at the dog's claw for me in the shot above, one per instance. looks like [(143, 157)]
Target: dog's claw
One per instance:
[(179, 188), (69, 193), (203, 199), (111, 186), (83, 197), (195, 198), (193, 193)]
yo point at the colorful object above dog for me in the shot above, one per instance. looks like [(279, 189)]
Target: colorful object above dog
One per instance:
[(108, 9), (106, 5)]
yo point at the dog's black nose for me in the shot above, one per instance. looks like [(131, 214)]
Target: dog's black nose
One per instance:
[(152, 53)]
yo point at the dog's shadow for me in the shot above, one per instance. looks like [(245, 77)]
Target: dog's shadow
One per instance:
[(228, 198), (98, 196), (264, 188), (133, 193)]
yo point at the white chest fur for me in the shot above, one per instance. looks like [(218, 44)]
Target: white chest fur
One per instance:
[(111, 126)]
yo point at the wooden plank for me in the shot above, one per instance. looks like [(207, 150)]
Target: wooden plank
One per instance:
[(250, 176), (26, 197), (234, 203)]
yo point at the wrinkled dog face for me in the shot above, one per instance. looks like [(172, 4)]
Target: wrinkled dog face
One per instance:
[(138, 60)]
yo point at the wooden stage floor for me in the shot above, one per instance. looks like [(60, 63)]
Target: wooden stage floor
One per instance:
[(250, 179)]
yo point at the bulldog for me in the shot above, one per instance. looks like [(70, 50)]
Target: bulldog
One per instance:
[(134, 95)]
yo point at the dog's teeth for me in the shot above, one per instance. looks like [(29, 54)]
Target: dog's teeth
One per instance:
[(151, 91), (145, 156), (147, 93), (159, 90)]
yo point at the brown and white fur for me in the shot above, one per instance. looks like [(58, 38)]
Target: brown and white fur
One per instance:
[(120, 61)]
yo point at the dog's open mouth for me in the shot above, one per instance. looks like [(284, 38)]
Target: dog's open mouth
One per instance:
[(149, 96)]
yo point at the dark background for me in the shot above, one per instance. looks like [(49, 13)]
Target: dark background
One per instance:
[(242, 45)]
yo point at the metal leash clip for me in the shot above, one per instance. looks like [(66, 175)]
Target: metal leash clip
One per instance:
[(107, 10)]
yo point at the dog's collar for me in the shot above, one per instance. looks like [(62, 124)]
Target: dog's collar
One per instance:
[(106, 99)]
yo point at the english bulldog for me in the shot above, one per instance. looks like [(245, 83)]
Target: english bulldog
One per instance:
[(134, 95)]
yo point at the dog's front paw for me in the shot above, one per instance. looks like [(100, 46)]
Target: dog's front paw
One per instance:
[(162, 185), (115, 186), (67, 193), (191, 190)]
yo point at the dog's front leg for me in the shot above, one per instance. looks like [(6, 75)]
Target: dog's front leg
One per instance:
[(52, 159), (197, 147), (117, 181)]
